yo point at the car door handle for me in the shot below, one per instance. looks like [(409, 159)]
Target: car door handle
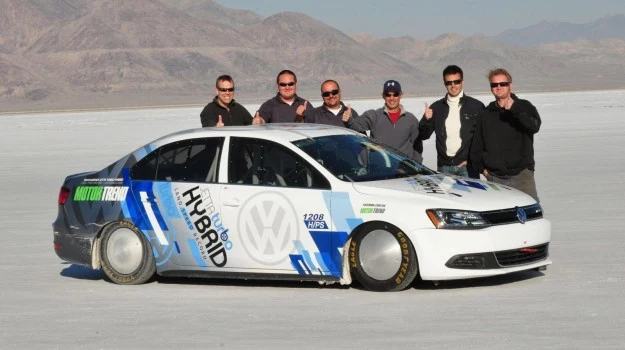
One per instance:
[(232, 203)]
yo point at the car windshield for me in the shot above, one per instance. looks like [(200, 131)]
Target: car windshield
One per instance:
[(358, 158)]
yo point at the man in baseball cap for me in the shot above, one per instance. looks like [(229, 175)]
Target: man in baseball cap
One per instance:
[(392, 124)]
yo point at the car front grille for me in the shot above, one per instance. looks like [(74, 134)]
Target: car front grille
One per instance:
[(509, 216), (522, 256)]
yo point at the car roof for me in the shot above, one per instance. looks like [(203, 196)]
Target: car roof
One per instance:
[(280, 132)]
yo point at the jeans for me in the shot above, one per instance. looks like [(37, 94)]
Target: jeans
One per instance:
[(524, 181)]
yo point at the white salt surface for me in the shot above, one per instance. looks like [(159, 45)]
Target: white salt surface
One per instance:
[(578, 303)]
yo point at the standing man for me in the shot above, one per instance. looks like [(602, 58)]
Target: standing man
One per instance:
[(286, 106), (503, 144), (333, 111), (391, 124), (224, 110), (454, 119)]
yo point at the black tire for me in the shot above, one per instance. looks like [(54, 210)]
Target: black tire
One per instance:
[(393, 272), (126, 254)]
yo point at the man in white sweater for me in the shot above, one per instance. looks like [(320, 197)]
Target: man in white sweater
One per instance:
[(453, 118)]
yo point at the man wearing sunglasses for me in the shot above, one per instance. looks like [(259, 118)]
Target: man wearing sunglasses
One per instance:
[(391, 125), (503, 144), (333, 111), (453, 118), (286, 106), (224, 110)]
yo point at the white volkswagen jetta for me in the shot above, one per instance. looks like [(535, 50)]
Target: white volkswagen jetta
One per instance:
[(292, 202)]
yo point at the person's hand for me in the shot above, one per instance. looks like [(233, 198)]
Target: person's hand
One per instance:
[(485, 173), (347, 114), (301, 109), (508, 103), (462, 165), (220, 123), (428, 112), (258, 120)]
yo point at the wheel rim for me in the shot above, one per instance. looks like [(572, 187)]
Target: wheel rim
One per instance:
[(124, 251), (380, 255)]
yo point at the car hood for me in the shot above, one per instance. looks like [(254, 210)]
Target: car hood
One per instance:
[(444, 191)]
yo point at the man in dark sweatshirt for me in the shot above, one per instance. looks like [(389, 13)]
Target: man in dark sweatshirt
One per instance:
[(333, 111), (224, 110), (503, 144)]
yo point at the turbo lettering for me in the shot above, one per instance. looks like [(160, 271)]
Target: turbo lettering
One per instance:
[(206, 236)]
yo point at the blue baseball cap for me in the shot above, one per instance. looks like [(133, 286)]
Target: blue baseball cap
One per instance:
[(392, 85)]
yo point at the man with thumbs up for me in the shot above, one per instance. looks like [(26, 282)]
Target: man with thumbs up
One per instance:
[(391, 124), (454, 119), (333, 111), (224, 110), (286, 106)]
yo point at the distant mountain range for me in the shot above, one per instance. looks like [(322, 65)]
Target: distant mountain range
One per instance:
[(112, 53)]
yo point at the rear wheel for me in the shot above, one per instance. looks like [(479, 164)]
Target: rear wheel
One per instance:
[(126, 254), (382, 258)]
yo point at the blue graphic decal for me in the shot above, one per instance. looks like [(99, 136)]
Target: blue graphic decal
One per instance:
[(195, 251), (177, 247), (297, 261), (316, 224), (137, 211), (166, 198), (342, 211), (463, 184), (330, 245), (306, 256), (321, 263)]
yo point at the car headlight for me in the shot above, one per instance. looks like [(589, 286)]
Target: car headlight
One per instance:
[(456, 219)]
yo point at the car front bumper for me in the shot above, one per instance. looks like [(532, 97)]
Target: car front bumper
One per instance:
[(496, 250)]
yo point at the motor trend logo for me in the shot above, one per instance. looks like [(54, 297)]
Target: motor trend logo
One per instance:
[(100, 193), (268, 228)]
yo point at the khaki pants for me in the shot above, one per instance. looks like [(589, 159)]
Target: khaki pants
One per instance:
[(524, 181)]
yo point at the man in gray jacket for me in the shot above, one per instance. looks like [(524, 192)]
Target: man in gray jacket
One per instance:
[(391, 124)]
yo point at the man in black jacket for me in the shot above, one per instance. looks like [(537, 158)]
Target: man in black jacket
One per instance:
[(453, 118), (503, 145), (224, 110)]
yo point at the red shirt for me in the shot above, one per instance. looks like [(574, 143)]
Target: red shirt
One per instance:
[(394, 116)]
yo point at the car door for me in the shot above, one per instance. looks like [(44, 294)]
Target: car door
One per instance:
[(177, 193), (276, 208)]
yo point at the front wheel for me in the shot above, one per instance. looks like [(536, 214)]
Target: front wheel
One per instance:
[(126, 254), (382, 258)]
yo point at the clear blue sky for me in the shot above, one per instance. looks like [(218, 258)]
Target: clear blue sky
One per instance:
[(428, 19)]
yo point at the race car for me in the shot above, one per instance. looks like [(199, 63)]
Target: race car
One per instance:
[(303, 202)]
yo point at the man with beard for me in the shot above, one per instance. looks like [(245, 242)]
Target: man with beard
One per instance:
[(333, 111)]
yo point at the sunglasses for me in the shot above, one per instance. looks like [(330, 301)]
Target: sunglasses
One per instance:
[(389, 94), (287, 84), (502, 84), (225, 89), (455, 82), (331, 92)]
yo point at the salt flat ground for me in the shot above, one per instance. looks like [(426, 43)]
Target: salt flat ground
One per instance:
[(578, 303)]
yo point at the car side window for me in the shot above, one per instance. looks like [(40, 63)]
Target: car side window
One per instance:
[(261, 162), (195, 160)]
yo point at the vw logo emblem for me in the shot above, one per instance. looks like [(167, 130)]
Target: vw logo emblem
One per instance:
[(520, 214), (268, 226)]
